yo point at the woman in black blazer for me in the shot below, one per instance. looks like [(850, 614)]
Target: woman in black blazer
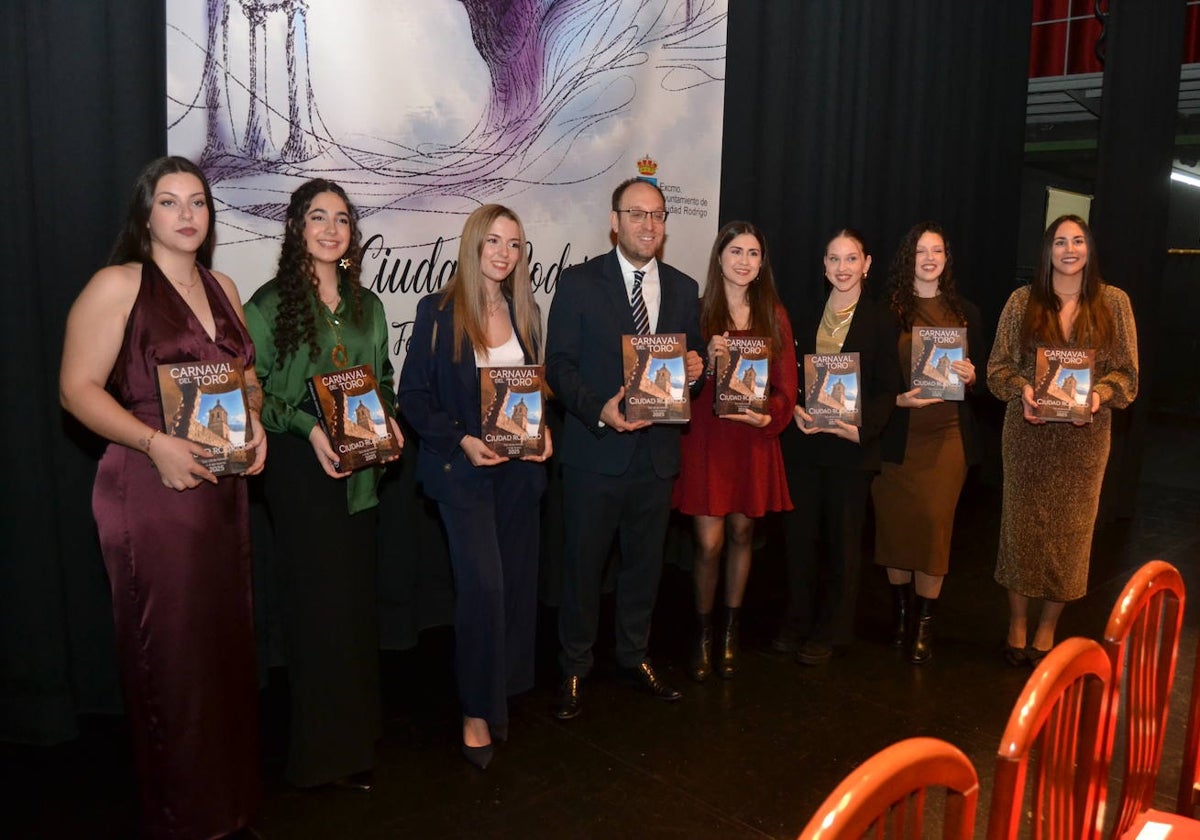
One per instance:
[(829, 470), (485, 317), (928, 443)]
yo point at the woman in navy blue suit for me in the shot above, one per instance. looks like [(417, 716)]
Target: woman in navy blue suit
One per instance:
[(484, 317)]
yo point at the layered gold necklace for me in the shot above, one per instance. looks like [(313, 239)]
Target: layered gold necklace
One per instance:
[(339, 355)]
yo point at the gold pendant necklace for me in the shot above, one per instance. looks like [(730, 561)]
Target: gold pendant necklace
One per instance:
[(836, 321), (339, 356)]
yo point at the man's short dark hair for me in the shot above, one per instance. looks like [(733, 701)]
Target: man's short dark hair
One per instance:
[(619, 192)]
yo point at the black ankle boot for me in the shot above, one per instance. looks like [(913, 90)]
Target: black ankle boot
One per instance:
[(900, 593), (922, 644), (729, 642), (701, 665)]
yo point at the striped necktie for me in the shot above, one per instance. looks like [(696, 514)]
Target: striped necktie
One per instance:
[(641, 318)]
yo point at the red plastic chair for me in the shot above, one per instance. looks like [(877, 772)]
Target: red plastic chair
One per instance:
[(1189, 778), (1055, 738), (1142, 642), (886, 794)]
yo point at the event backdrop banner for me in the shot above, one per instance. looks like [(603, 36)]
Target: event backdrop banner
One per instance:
[(426, 109)]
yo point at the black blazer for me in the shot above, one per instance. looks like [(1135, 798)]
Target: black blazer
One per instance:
[(588, 316), (895, 435), (440, 400), (872, 335)]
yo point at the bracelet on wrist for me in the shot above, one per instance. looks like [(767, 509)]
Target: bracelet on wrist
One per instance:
[(149, 440)]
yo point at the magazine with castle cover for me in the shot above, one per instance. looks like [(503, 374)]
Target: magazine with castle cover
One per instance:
[(354, 416), (511, 406), (831, 388), (1062, 384), (656, 378), (205, 402), (741, 376), (934, 349)]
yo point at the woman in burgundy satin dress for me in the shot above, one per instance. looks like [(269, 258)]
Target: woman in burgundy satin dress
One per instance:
[(175, 539)]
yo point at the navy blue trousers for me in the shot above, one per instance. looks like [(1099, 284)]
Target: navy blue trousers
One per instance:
[(494, 541)]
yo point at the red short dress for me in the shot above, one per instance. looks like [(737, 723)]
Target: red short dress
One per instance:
[(730, 467)]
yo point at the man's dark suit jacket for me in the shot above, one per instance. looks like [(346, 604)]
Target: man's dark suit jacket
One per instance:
[(589, 315)]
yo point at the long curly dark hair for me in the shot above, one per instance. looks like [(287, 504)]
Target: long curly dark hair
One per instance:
[(902, 296), (295, 322), (761, 294), (1094, 322), (133, 242)]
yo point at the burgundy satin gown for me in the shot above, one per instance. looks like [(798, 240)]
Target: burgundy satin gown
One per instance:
[(179, 567)]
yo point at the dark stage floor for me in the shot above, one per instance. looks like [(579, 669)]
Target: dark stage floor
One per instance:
[(747, 758)]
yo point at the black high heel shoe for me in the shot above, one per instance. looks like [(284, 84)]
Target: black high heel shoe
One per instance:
[(1034, 656), (479, 757), (1015, 656)]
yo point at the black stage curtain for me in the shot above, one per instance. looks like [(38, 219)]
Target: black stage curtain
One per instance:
[(869, 114), (876, 116), (84, 99), (1133, 193)]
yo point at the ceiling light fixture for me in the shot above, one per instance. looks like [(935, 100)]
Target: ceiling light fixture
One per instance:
[(1186, 178)]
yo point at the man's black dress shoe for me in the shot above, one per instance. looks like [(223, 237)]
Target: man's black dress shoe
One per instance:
[(644, 677), (362, 782), (568, 700)]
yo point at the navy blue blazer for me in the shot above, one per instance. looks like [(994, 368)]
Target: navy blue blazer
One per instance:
[(588, 316), (439, 398)]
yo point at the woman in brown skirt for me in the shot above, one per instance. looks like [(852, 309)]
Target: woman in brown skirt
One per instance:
[(928, 443)]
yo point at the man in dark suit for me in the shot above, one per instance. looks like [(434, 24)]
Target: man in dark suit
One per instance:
[(617, 475)]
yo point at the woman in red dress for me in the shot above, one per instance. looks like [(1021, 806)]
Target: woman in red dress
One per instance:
[(732, 471)]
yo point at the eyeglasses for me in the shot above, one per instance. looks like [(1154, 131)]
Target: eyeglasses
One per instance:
[(639, 216)]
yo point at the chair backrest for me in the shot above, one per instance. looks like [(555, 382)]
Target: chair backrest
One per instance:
[(1189, 777), (1142, 643), (885, 795), (1055, 739)]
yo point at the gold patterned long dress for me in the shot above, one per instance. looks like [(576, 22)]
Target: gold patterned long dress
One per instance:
[(1053, 472)]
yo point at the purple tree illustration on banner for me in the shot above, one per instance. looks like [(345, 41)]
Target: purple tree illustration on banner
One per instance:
[(557, 68)]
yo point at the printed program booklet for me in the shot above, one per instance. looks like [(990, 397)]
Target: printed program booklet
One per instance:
[(831, 388), (510, 400), (933, 349), (1062, 389), (205, 402), (353, 415), (656, 378), (741, 377)]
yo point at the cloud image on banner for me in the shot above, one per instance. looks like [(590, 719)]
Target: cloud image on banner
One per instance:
[(426, 109)]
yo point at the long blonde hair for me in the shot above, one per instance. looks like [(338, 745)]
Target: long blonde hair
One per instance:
[(465, 291)]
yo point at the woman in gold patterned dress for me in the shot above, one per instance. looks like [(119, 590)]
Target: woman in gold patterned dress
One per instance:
[(927, 444), (1053, 471)]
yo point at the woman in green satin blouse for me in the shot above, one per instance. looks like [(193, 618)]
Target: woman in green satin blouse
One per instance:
[(315, 318)]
